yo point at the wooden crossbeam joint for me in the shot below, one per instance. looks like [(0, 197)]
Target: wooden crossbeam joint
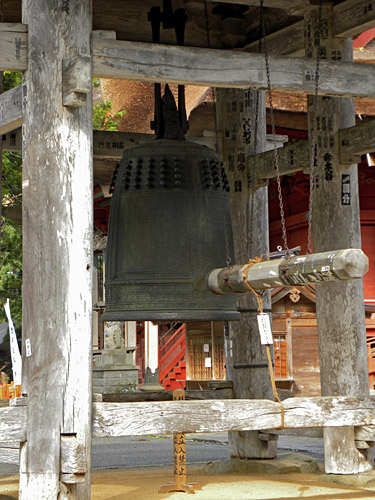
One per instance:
[(76, 80)]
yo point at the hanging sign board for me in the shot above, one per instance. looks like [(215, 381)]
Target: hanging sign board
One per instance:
[(14, 351), (265, 331), (206, 347)]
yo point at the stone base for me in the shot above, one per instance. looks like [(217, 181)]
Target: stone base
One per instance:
[(115, 380), (285, 463), (363, 480), (115, 358), (151, 387), (151, 381)]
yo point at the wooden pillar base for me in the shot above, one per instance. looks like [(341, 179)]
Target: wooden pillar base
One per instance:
[(179, 456), (186, 488)]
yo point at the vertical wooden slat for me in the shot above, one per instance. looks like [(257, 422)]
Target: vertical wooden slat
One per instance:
[(57, 255), (236, 119), (336, 224)]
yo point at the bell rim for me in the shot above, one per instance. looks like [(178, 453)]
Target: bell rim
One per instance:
[(180, 316)]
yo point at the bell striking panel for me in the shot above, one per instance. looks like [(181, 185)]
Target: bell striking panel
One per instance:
[(166, 233)]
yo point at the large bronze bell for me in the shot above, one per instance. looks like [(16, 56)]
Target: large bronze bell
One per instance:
[(166, 232)]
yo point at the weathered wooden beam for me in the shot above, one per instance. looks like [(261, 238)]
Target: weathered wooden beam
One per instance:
[(294, 7), (166, 417), (337, 265), (365, 433), (356, 141), (13, 43), (349, 19), (135, 419), (112, 144), (286, 42), (131, 397), (9, 453), (76, 73), (352, 17), (13, 424), (11, 110), (353, 142), (220, 68), (292, 158)]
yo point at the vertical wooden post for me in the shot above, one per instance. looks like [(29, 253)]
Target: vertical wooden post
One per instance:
[(336, 224), (179, 460), (247, 361), (57, 250)]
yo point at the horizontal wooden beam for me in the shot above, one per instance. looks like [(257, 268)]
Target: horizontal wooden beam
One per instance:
[(221, 68), (295, 7), (350, 18), (288, 41), (11, 110), (292, 158), (13, 43), (9, 453), (13, 424), (167, 417), (123, 419), (354, 142), (112, 144)]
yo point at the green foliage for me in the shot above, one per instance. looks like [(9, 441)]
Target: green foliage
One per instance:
[(12, 180), (11, 238), (11, 270), (11, 80), (11, 232), (104, 119), (96, 82)]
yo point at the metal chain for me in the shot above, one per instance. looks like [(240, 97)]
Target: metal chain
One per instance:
[(217, 149), (276, 156), (314, 156)]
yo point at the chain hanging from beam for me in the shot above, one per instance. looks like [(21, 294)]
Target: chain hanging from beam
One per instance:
[(276, 156), (313, 157), (217, 148)]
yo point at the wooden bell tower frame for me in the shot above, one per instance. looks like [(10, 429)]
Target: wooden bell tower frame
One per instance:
[(58, 53)]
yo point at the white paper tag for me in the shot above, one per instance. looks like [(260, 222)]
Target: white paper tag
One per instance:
[(207, 362), (14, 350), (28, 347), (265, 331), (206, 347)]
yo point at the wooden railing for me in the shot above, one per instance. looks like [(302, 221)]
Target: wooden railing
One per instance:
[(371, 360), (168, 360)]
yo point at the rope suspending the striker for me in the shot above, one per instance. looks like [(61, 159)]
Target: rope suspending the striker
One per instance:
[(276, 398)]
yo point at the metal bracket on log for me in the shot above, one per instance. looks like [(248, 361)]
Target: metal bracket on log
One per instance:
[(76, 80), (318, 268)]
